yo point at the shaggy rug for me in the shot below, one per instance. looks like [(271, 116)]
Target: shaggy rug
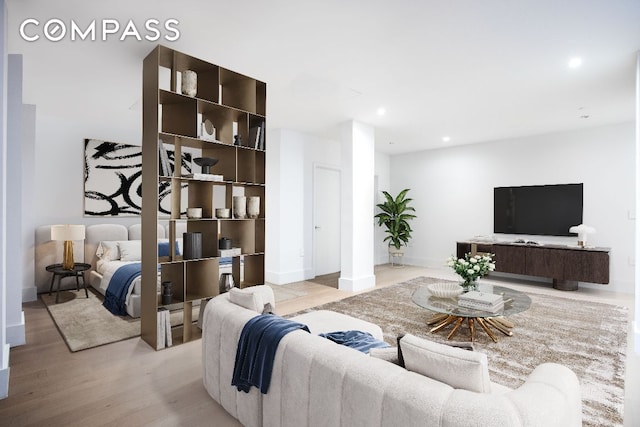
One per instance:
[(588, 337)]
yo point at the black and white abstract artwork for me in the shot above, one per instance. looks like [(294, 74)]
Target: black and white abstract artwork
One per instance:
[(113, 179)]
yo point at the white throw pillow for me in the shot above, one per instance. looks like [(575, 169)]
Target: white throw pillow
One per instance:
[(130, 250), (255, 298), (108, 250), (454, 366)]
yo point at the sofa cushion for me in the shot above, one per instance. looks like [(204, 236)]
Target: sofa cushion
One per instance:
[(325, 321), (257, 298), (454, 366), (390, 354)]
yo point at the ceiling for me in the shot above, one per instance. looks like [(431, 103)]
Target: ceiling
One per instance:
[(471, 70)]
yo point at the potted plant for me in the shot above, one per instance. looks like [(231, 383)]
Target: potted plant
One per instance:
[(395, 217)]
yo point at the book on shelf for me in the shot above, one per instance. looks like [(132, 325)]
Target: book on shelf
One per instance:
[(165, 165), (254, 137), (204, 176), (161, 326), (164, 328), (168, 336), (262, 130), (225, 253)]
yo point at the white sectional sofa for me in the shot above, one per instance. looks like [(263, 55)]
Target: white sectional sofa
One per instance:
[(316, 382)]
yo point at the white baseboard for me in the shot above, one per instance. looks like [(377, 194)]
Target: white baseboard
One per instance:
[(356, 285), (29, 294), (16, 333), (284, 278), (4, 372)]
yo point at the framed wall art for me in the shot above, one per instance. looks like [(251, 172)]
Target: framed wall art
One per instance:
[(113, 179)]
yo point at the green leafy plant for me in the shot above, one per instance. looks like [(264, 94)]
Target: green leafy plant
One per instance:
[(396, 218)]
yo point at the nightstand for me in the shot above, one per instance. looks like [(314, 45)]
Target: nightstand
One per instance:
[(77, 272)]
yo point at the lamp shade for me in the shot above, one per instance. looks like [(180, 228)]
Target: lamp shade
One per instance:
[(582, 229), (67, 232)]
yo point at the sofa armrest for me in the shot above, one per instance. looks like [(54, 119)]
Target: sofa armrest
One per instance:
[(550, 391)]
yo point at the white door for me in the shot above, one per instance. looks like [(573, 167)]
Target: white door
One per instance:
[(326, 217)]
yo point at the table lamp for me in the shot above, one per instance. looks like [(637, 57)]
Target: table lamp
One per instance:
[(582, 231), (67, 233)]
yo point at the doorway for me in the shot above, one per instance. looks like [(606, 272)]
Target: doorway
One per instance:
[(326, 220)]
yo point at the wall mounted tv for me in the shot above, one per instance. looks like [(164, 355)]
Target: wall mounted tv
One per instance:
[(547, 210)]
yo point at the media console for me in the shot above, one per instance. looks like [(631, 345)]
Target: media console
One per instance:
[(566, 265)]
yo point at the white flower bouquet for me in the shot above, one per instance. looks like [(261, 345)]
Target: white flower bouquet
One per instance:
[(472, 267)]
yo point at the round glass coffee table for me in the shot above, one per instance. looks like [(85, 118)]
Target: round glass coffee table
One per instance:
[(449, 312)]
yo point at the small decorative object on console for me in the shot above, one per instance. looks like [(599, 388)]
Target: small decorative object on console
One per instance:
[(583, 231), (471, 268)]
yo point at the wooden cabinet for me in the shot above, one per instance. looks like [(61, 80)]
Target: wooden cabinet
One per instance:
[(565, 265), (232, 104), (509, 259)]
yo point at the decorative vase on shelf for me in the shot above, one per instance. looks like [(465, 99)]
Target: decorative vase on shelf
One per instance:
[(253, 207), (189, 83), (239, 207), (167, 292)]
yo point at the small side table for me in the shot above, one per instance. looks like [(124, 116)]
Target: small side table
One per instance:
[(78, 271)]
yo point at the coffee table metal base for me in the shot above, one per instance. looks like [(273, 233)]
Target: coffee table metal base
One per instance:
[(500, 323)]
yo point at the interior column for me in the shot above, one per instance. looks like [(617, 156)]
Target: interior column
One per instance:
[(357, 142)]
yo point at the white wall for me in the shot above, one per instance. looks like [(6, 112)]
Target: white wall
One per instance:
[(453, 190), (382, 183), (14, 195), (4, 346), (291, 157)]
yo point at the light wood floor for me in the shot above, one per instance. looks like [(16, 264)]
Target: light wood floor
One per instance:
[(129, 384)]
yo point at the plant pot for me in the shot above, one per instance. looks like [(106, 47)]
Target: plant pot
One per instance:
[(393, 251)]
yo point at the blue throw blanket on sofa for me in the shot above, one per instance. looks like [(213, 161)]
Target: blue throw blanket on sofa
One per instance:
[(115, 297), (257, 347), (358, 340)]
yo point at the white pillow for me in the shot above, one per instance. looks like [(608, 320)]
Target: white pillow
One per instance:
[(256, 298), (454, 366), (108, 250), (130, 250)]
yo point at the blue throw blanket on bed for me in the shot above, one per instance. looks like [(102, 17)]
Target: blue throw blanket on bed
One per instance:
[(116, 296), (257, 347), (358, 340)]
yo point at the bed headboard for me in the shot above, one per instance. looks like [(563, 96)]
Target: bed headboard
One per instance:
[(50, 252)]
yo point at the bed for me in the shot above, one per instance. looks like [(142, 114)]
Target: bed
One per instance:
[(102, 250), (110, 248)]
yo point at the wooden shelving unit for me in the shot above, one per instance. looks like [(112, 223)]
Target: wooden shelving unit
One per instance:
[(233, 103)]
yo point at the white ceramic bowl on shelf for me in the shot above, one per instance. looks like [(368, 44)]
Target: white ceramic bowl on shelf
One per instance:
[(445, 290)]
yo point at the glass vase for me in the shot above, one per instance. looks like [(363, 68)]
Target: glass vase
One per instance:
[(469, 285)]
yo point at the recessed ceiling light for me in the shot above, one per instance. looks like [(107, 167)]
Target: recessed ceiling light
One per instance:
[(446, 139), (575, 62), (381, 111)]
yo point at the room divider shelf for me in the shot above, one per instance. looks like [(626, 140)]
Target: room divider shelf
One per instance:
[(233, 104)]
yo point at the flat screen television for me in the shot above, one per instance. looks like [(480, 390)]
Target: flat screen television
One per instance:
[(547, 210)]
